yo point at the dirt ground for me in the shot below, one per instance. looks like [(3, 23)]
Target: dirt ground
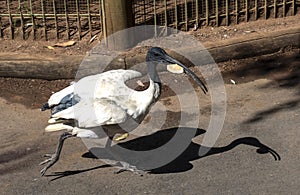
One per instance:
[(263, 115), (205, 34)]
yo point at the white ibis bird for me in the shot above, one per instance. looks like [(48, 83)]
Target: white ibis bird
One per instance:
[(104, 100)]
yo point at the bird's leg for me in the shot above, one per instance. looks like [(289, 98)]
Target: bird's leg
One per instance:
[(127, 167), (121, 165), (53, 158)]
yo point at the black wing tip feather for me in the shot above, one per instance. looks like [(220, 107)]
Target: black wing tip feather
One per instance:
[(45, 107)]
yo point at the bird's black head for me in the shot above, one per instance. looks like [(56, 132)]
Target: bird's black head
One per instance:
[(157, 55)]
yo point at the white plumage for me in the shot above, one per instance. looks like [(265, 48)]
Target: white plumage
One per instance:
[(105, 99)]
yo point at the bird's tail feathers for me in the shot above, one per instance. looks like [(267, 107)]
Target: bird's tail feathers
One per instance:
[(58, 127)]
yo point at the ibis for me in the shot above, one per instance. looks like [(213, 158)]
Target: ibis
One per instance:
[(104, 100)]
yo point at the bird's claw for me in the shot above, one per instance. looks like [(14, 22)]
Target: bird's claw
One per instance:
[(49, 156), (43, 171), (52, 158), (127, 167)]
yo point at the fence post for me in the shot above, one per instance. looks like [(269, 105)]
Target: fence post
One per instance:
[(283, 8), (1, 35), (78, 19), (227, 12), (206, 12), (255, 10), (67, 19), (266, 9), (294, 7), (275, 9), (12, 30), (246, 11), (119, 16), (176, 14), (217, 12), (236, 11), (155, 19), (186, 15), (44, 20), (32, 20), (21, 19), (55, 19)]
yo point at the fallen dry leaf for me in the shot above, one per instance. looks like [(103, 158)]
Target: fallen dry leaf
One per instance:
[(93, 38), (121, 137), (50, 47), (65, 44)]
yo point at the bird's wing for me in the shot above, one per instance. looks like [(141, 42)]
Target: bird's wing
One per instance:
[(58, 96), (105, 84), (90, 86), (123, 75), (104, 94), (92, 113)]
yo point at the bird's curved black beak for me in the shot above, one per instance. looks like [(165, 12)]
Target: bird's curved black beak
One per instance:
[(171, 60)]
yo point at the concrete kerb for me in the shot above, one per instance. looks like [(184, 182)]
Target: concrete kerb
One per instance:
[(65, 67)]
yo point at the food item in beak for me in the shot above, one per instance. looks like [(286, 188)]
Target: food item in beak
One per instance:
[(174, 68)]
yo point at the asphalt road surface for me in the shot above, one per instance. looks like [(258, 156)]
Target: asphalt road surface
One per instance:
[(257, 151)]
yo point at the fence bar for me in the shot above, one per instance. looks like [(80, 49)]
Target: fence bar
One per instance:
[(144, 6), (246, 11), (55, 18), (100, 17), (217, 12), (266, 9), (10, 21), (22, 20), (176, 15), (255, 10), (294, 10), (283, 8), (44, 19), (89, 18), (275, 8), (165, 10), (236, 12), (155, 22), (78, 20), (104, 29), (206, 12), (67, 19), (186, 14), (197, 13), (227, 13), (32, 20), (1, 34)]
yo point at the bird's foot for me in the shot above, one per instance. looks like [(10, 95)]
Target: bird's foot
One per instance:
[(51, 160), (127, 167)]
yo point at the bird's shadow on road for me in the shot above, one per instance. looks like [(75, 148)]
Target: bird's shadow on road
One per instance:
[(183, 160)]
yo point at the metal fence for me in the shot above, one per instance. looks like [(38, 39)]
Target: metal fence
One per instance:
[(50, 18), (68, 19)]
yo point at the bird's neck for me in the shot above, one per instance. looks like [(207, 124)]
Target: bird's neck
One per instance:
[(155, 82), (153, 72)]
